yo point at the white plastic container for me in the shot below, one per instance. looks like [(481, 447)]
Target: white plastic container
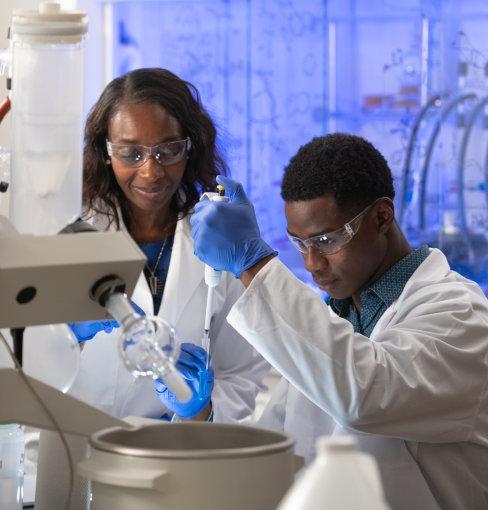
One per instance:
[(205, 466), (340, 477), (47, 117), (11, 467)]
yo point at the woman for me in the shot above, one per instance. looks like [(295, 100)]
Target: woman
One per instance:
[(150, 151)]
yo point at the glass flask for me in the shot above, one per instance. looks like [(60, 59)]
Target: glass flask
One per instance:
[(51, 354), (148, 346)]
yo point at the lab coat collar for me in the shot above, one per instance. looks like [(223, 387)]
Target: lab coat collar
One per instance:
[(389, 286), (433, 269), (381, 293), (178, 290)]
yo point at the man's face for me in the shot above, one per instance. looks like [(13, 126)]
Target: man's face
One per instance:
[(346, 272)]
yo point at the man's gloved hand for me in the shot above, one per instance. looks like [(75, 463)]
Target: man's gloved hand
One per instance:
[(87, 330), (226, 234), (191, 365)]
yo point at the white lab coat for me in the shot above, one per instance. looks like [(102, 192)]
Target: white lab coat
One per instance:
[(104, 382), (414, 394)]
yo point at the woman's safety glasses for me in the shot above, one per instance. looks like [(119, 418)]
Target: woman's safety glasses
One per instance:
[(331, 242), (167, 153)]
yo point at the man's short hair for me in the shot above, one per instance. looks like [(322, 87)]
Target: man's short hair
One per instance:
[(345, 166)]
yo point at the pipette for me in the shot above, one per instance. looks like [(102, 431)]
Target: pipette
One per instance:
[(212, 279)]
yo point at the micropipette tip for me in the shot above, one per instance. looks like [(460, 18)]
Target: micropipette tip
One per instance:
[(203, 374)]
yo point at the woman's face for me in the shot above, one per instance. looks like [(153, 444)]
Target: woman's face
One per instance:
[(150, 186)]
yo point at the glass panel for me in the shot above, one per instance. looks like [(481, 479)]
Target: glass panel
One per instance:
[(274, 74)]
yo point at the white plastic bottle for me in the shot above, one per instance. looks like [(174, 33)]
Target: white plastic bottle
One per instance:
[(11, 466), (339, 477)]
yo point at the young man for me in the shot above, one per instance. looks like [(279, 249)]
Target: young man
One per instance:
[(399, 357)]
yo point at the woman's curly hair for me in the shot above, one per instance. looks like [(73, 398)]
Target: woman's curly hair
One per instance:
[(101, 193)]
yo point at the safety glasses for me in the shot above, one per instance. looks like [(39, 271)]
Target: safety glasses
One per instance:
[(331, 242), (167, 153)]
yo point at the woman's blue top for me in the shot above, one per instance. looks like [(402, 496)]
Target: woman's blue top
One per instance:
[(152, 250)]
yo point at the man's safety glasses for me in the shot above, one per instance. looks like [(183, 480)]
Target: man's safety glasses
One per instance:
[(331, 242), (167, 153)]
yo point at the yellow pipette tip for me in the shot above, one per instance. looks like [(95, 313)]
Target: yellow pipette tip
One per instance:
[(220, 189)]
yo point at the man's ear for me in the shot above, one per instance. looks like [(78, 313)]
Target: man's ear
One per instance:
[(385, 214)]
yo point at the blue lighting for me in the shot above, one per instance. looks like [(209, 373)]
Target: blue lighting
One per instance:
[(275, 73)]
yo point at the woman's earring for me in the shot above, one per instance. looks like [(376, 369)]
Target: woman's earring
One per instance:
[(107, 161)]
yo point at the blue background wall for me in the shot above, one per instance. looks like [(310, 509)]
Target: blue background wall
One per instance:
[(275, 73)]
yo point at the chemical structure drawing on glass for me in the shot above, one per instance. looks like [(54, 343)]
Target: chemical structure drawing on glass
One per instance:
[(257, 75), (274, 74)]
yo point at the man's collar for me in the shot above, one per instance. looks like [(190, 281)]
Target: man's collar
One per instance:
[(389, 285)]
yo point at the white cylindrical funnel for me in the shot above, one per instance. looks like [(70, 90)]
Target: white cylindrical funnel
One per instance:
[(47, 118)]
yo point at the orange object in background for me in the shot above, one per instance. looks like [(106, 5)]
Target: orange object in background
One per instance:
[(377, 101)]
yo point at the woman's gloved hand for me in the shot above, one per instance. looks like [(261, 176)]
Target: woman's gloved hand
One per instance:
[(191, 365), (87, 330), (84, 331), (226, 234)]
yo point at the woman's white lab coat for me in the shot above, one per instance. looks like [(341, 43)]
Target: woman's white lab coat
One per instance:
[(414, 394), (104, 382)]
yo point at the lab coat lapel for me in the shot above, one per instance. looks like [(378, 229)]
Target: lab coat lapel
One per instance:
[(185, 273), (435, 266)]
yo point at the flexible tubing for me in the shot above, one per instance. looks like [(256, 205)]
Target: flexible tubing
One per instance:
[(409, 153), (430, 151)]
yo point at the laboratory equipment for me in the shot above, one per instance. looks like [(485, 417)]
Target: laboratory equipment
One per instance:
[(48, 279), (339, 477), (434, 101), (212, 279), (177, 466), (11, 466), (51, 355), (446, 112), (147, 344), (475, 251), (47, 52)]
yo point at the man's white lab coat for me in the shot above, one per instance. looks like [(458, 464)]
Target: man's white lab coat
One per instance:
[(415, 394)]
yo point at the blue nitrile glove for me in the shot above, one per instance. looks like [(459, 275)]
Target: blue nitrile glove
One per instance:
[(191, 365), (226, 234), (87, 330)]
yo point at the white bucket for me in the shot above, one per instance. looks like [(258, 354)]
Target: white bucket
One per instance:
[(177, 466)]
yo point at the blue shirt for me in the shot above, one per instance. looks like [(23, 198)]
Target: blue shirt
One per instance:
[(151, 251), (380, 294)]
